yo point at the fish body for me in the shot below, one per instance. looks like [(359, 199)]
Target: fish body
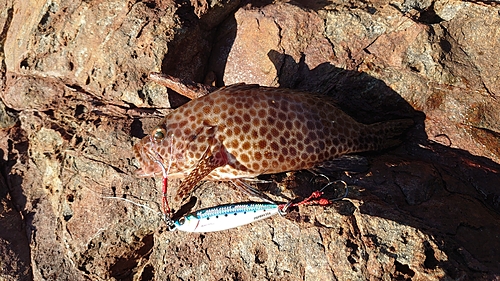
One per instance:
[(225, 217), (243, 131)]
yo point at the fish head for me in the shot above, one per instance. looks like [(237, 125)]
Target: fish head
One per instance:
[(152, 150)]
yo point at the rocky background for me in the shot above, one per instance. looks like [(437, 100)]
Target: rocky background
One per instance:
[(75, 97)]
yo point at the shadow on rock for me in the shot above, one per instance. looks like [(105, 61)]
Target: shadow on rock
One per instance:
[(447, 193), (14, 220)]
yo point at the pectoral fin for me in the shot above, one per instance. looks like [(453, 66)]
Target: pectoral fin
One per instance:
[(209, 162)]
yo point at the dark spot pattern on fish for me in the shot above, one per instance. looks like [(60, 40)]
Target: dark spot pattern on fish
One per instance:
[(243, 131)]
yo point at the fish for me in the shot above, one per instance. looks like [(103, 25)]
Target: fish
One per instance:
[(245, 130)]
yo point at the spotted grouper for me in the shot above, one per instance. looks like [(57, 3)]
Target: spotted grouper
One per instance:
[(242, 131)]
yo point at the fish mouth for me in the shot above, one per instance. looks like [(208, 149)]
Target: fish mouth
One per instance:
[(147, 159)]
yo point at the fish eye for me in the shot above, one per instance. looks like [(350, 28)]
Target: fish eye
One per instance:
[(182, 221), (159, 134)]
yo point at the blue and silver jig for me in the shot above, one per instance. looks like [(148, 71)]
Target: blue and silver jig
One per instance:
[(225, 216), (233, 215)]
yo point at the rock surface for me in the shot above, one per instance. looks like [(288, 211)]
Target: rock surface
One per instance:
[(75, 98)]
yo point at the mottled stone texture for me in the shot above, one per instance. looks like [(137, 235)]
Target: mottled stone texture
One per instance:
[(75, 97)]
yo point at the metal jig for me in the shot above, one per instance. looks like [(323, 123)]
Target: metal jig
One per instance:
[(225, 216), (233, 215)]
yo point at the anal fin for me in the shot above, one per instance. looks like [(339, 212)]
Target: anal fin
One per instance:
[(348, 163)]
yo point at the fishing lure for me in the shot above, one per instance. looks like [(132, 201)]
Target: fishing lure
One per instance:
[(226, 216), (234, 215)]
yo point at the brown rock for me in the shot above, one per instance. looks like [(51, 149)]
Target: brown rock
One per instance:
[(74, 85), (264, 46), (472, 41)]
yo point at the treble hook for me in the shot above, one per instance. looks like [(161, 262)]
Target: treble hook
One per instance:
[(335, 182), (315, 198)]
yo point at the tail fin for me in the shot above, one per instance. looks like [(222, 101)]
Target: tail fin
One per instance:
[(386, 134)]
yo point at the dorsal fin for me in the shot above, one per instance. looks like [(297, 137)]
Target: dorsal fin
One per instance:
[(239, 87), (243, 87)]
